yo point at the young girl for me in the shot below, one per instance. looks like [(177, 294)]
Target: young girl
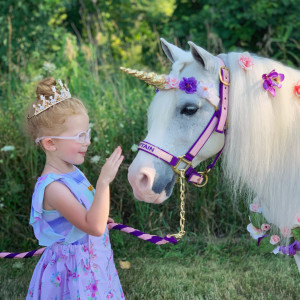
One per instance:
[(68, 215)]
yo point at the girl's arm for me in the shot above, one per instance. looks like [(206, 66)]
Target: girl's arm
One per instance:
[(60, 198)]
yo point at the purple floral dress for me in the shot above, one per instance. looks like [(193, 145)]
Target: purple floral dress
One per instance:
[(75, 265)]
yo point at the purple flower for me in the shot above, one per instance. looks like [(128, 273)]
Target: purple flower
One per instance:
[(272, 79), (189, 85), (291, 249)]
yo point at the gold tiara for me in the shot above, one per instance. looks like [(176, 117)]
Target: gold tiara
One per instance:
[(59, 96)]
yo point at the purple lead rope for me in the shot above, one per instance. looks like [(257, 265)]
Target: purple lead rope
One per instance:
[(154, 239)]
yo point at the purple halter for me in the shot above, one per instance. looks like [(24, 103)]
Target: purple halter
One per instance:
[(216, 123)]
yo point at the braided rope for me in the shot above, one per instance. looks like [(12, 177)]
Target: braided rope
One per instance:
[(154, 239)]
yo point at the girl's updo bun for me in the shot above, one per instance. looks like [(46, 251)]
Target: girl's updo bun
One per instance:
[(51, 121), (44, 87)]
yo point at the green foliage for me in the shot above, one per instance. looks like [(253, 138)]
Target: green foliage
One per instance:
[(265, 246), (29, 29), (296, 233), (264, 27), (257, 219)]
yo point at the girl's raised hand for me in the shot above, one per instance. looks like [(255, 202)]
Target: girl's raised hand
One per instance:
[(110, 168)]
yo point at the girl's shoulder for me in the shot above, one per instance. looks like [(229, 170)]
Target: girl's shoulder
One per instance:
[(40, 217), (46, 179)]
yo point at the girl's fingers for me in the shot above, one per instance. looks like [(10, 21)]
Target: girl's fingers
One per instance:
[(110, 220), (116, 154)]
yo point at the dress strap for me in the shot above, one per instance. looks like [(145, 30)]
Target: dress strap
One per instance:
[(44, 230)]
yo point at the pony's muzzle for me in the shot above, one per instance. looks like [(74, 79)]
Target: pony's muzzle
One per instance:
[(142, 181)]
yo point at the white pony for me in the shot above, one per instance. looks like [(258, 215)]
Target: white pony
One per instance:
[(262, 147)]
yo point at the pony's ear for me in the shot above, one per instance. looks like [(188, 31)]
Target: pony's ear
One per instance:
[(207, 60), (172, 51)]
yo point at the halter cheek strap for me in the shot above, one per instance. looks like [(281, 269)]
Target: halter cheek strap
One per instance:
[(224, 76), (216, 123)]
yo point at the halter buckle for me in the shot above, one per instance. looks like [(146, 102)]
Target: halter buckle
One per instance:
[(182, 159), (220, 75)]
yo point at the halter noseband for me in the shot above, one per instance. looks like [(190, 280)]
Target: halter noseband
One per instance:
[(216, 123)]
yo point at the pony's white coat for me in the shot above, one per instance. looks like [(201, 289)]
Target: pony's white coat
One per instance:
[(262, 149)]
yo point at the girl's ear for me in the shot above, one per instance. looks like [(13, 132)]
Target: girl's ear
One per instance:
[(48, 144)]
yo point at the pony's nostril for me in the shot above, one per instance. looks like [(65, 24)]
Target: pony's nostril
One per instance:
[(143, 181)]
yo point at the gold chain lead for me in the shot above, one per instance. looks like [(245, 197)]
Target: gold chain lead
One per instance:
[(181, 233)]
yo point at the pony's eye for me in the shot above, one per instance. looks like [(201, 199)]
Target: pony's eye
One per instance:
[(189, 110)]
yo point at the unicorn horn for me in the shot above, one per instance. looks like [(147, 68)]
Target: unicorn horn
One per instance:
[(151, 78)]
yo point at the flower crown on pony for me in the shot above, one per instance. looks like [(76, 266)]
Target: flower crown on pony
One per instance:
[(189, 85), (59, 96), (208, 90)]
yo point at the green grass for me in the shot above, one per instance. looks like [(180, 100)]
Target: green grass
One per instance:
[(196, 268)]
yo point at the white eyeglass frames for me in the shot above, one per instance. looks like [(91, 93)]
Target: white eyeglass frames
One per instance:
[(81, 137)]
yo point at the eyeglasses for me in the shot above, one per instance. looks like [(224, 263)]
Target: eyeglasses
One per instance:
[(81, 137)]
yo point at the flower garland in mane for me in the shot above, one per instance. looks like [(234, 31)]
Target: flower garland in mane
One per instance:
[(260, 230)]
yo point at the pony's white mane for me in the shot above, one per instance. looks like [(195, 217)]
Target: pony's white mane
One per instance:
[(262, 152)]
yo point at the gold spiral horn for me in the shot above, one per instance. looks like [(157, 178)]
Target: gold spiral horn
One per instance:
[(151, 78)]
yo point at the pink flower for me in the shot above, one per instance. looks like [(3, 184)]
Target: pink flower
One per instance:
[(208, 91), (275, 239), (285, 231), (298, 219), (254, 232), (246, 61), (94, 287), (297, 89), (85, 248), (265, 227), (172, 83), (255, 207)]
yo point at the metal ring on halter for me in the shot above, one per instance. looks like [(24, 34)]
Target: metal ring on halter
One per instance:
[(220, 75), (206, 179)]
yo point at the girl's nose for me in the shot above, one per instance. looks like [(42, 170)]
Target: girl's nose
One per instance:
[(87, 141)]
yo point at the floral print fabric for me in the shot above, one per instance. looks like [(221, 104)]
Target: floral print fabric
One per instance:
[(82, 270)]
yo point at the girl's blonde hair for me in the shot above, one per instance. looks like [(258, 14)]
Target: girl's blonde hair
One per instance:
[(51, 121)]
